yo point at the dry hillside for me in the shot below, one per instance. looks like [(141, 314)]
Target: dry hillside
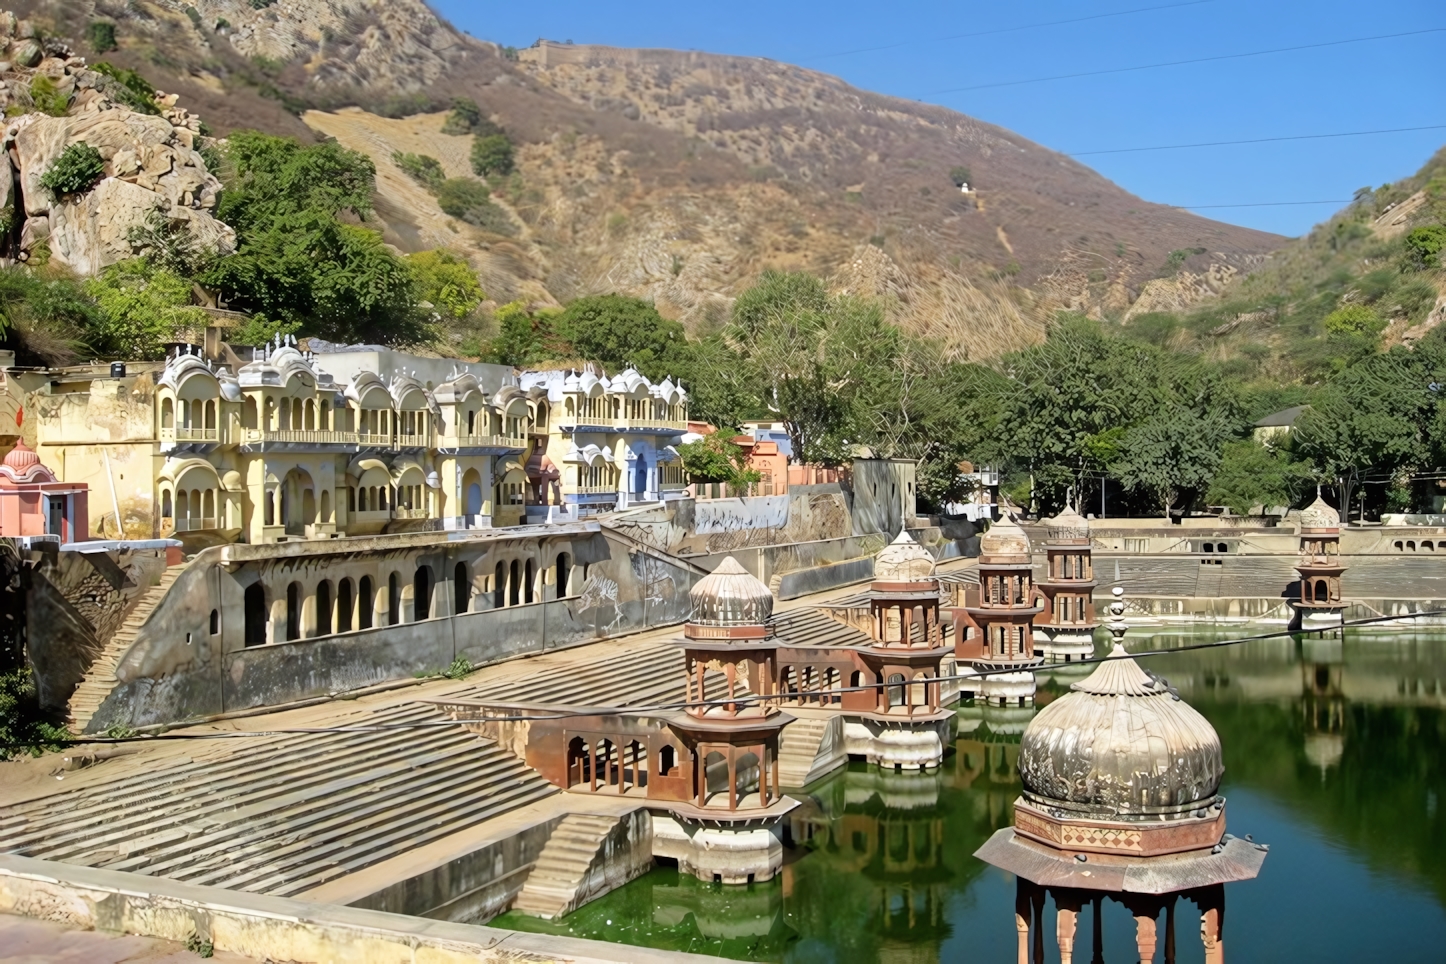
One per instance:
[(679, 176)]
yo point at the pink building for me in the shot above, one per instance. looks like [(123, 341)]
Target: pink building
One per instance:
[(33, 503)]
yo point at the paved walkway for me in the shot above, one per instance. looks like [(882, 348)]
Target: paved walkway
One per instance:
[(34, 941)]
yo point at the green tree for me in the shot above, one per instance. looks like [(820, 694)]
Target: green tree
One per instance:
[(525, 338), (465, 117), (618, 331), (960, 176), (1251, 475), (1375, 416), (492, 154), (142, 306), (447, 282), (100, 35), (1170, 455), (715, 458), (296, 260)]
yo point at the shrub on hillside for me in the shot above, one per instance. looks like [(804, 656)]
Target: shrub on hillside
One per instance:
[(128, 88), (960, 176), (75, 171), (46, 98), (492, 154), (1424, 246), (458, 195), (426, 171), (464, 117), (1353, 319), (100, 35)]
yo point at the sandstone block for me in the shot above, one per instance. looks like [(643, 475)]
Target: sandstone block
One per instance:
[(27, 53)]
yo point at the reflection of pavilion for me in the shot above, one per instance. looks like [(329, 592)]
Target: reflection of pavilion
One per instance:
[(1119, 801)]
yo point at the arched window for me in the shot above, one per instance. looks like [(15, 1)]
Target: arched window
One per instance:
[(564, 572), (168, 414), (1322, 593), (255, 606), (394, 599), (325, 514), (293, 611), (527, 583), (366, 600), (210, 415), (215, 621), (667, 761), (896, 689), (166, 511), (323, 608), (499, 586), (514, 594), (422, 594), (344, 603), (461, 588)]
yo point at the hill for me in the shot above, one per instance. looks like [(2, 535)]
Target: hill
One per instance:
[(679, 176)]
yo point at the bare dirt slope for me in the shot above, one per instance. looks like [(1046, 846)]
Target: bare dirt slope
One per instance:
[(679, 176)]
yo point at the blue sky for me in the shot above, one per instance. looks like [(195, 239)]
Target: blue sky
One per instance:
[(1374, 85)]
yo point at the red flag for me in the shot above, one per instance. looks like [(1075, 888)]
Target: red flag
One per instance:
[(19, 416)]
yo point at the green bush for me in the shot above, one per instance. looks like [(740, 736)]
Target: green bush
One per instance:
[(128, 88), (426, 171), (458, 195), (1423, 246), (464, 117), (492, 154), (1353, 319), (75, 171), (960, 176), (100, 35), (46, 98)]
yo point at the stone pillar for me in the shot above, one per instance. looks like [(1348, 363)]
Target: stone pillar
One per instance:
[(1145, 936), (1067, 907), (1211, 901), (1022, 889)]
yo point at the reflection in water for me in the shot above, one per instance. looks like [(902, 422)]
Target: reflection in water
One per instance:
[(1335, 752)]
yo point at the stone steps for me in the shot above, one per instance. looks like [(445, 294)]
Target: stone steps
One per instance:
[(100, 679), (562, 868), (798, 749), (280, 815)]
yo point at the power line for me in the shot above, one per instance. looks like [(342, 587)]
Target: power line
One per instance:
[(1256, 140), (990, 33), (740, 699), (1256, 204), (1179, 63)]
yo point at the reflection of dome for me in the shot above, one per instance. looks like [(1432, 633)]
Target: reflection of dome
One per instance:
[(1120, 743), (1324, 750), (1004, 538), (1319, 515), (730, 596), (903, 560), (21, 458)]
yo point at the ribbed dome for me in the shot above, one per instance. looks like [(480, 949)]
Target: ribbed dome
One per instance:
[(1319, 515), (1004, 538), (1069, 519), (21, 457), (730, 596), (903, 560), (1120, 744)]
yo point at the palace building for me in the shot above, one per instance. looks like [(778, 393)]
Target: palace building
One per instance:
[(296, 445)]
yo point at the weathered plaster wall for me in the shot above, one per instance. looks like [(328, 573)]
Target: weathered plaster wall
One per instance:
[(689, 527), (472, 888), (279, 929), (74, 601), (178, 669)]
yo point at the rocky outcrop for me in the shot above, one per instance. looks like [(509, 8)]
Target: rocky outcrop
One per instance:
[(1185, 290), (151, 162)]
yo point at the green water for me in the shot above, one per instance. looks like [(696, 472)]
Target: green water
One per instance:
[(1335, 755)]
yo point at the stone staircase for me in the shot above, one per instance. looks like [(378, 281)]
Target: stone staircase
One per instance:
[(558, 883), (100, 679), (281, 814), (798, 751)]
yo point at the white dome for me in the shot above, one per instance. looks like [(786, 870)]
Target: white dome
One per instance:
[(903, 560), (730, 596), (1004, 538), (1319, 515)]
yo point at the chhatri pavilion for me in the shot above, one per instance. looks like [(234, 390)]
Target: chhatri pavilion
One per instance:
[(1120, 800)]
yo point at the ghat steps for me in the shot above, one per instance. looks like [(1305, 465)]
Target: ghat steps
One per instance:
[(554, 887), (282, 813), (798, 751), (100, 679)]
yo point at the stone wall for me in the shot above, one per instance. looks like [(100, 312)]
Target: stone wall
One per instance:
[(179, 668)]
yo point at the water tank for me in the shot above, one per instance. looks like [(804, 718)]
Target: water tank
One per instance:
[(117, 369)]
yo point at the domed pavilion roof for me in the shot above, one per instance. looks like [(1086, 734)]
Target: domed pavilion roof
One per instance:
[(903, 560), (22, 465), (730, 596), (1121, 744), (1319, 515), (1004, 538), (1069, 524)]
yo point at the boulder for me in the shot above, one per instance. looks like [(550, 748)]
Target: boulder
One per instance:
[(27, 53), (149, 164)]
